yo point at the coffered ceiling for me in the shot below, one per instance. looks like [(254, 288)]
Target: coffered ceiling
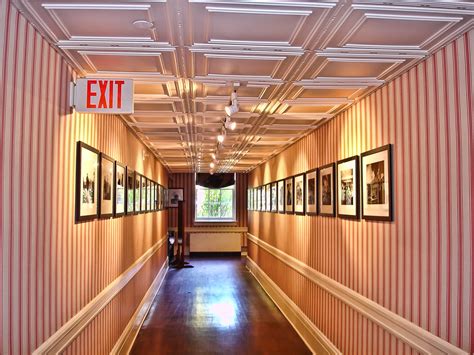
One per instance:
[(295, 64)]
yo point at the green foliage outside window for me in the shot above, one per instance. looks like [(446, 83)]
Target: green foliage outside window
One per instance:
[(215, 203)]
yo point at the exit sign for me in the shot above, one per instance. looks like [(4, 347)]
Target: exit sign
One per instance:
[(104, 95)]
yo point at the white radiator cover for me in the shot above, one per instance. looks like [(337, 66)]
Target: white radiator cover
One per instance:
[(215, 242)]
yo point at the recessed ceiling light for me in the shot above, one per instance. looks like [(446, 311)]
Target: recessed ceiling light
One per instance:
[(143, 24)]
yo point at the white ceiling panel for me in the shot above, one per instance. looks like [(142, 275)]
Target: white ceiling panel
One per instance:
[(294, 64)]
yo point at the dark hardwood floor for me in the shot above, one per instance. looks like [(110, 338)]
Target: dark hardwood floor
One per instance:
[(215, 308)]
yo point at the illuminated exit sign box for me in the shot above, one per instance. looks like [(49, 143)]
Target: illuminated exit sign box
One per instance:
[(103, 95)]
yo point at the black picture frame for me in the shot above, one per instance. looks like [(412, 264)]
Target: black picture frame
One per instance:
[(281, 196), (268, 197), (120, 199), (348, 188), (274, 197), (107, 186), (87, 158), (299, 194), (259, 198), (289, 195), (384, 213), (311, 192), (148, 195), (143, 194), (324, 209), (138, 191), (175, 195), (130, 192), (161, 188)]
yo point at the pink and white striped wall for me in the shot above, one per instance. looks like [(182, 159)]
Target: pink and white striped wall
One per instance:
[(50, 268), (421, 265)]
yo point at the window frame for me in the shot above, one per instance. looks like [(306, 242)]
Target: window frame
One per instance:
[(233, 219)]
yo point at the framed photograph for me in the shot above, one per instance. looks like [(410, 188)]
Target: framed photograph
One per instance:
[(175, 195), (119, 195), (107, 188), (259, 198), (268, 195), (148, 195), (289, 198), (311, 192), (377, 184), (166, 193), (155, 196), (161, 203), (142, 193), (264, 198), (255, 205), (87, 182), (348, 204), (138, 191), (130, 193), (274, 199), (326, 183), (281, 196), (298, 182)]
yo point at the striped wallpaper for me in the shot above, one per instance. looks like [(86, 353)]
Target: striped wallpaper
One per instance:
[(420, 266), (50, 267)]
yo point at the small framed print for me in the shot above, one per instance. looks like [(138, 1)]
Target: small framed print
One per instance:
[(348, 205), (311, 192), (166, 193), (268, 201), (107, 188), (259, 198), (377, 184), (119, 195), (175, 195), (142, 193), (138, 191), (155, 196), (161, 203), (87, 182), (255, 208), (298, 182), (249, 202), (264, 199), (148, 195), (130, 193), (281, 196), (326, 196), (289, 198), (274, 199)]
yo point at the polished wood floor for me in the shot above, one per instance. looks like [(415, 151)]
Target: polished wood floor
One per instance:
[(215, 308)]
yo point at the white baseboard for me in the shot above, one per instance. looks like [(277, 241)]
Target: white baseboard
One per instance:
[(65, 335), (416, 337), (311, 335), (125, 342)]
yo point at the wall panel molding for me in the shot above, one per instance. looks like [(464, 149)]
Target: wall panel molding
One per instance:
[(418, 338), (69, 331), (311, 335), (125, 342)]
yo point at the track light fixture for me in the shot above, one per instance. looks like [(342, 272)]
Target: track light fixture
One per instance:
[(233, 104), (212, 165), (229, 124), (220, 138)]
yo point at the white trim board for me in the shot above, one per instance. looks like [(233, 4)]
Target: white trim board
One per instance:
[(314, 338), (125, 343), (64, 336), (408, 332)]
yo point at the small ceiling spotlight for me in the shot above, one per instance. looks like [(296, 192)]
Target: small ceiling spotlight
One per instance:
[(233, 104), (211, 172), (212, 165), (228, 124), (213, 155), (220, 138)]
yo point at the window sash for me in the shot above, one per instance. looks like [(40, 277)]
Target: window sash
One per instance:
[(215, 204)]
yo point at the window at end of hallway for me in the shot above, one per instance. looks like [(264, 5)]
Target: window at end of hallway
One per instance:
[(215, 204)]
